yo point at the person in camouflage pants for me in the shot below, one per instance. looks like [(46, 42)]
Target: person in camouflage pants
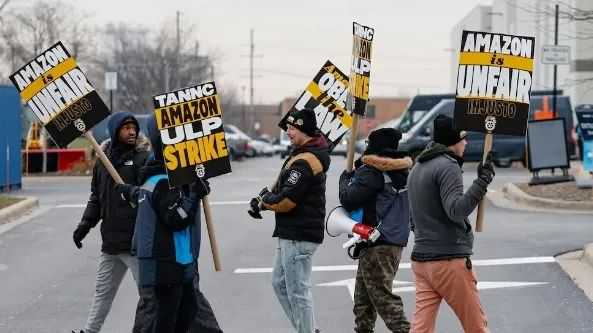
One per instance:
[(381, 166), (372, 294)]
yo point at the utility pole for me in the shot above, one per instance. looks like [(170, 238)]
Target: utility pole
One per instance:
[(251, 49), (177, 53), (555, 66)]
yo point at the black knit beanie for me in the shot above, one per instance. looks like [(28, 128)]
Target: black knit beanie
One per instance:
[(383, 141), (304, 120), (445, 132)]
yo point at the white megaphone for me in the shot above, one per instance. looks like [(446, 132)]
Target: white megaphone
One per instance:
[(339, 222)]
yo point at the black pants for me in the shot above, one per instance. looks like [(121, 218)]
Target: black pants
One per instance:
[(165, 309), (205, 320), (175, 309)]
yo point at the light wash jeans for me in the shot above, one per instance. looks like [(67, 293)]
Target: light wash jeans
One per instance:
[(110, 273), (291, 279)]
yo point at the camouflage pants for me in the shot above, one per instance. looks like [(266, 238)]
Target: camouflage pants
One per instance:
[(374, 281)]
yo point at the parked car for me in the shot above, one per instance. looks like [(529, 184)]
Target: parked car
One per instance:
[(285, 142), (236, 143), (276, 147), (341, 149), (505, 149), (259, 147)]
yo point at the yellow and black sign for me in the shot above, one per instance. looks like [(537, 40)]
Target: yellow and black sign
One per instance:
[(190, 123), (494, 82), (360, 71), (59, 94), (326, 96)]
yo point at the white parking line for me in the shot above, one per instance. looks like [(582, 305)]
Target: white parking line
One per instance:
[(481, 262), (213, 203)]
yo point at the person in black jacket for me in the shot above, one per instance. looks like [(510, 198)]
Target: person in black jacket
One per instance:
[(378, 261), (167, 244), (117, 215), (298, 200)]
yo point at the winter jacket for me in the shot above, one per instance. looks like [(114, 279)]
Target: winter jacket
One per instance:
[(167, 233), (360, 188), (298, 198), (439, 208), (117, 215)]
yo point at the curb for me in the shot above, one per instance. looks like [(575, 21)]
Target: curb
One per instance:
[(18, 209), (588, 254), (514, 193)]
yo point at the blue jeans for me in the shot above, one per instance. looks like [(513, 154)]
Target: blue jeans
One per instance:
[(291, 279)]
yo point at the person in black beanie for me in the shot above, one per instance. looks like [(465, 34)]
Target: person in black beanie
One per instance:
[(381, 165), (298, 200), (443, 237)]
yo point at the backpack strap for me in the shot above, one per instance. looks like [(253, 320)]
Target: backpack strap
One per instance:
[(387, 180)]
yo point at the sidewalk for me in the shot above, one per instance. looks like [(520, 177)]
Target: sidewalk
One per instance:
[(578, 264)]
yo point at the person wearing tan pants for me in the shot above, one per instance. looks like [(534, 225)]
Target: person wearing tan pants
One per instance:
[(443, 237), (454, 282)]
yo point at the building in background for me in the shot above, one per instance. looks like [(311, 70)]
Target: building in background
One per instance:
[(536, 18), (478, 19)]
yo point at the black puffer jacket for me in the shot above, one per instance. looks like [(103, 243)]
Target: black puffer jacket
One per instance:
[(360, 188), (105, 204), (299, 195)]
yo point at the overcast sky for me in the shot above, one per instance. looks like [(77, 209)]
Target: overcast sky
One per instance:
[(296, 37)]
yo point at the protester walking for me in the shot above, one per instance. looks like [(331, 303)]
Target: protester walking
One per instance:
[(443, 237), (298, 200), (167, 244), (117, 215), (378, 187)]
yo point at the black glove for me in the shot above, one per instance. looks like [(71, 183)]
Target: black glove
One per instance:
[(201, 188), (263, 192), (80, 233), (346, 174), (126, 191), (255, 208), (486, 169)]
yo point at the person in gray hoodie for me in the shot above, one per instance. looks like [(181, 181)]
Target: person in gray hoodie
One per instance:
[(443, 237)]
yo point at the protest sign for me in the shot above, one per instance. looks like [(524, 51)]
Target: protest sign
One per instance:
[(494, 82), (360, 71), (326, 95), (190, 124), (59, 94)]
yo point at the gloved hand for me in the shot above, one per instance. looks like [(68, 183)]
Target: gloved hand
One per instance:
[(80, 233), (486, 169), (263, 192), (255, 208), (201, 188), (125, 191), (346, 174)]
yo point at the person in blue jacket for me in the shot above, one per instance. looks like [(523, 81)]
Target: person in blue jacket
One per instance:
[(167, 244)]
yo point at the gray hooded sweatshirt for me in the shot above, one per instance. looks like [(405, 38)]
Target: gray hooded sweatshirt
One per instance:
[(438, 206)]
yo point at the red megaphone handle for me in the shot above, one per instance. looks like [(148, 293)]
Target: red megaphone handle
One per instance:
[(363, 230)]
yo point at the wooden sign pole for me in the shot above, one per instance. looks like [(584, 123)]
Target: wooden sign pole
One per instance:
[(352, 143), (211, 234), (481, 206)]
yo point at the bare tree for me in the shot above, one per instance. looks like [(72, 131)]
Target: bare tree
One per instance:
[(26, 31), (3, 4), (149, 62)]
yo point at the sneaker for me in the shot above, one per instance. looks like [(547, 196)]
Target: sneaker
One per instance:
[(80, 331), (316, 330)]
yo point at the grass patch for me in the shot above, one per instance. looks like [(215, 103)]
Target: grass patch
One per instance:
[(6, 201)]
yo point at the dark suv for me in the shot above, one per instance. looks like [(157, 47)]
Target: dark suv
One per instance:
[(505, 148)]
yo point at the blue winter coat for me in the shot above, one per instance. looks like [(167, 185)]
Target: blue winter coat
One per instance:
[(167, 233)]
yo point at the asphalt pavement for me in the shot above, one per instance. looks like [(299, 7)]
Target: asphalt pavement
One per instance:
[(46, 284)]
